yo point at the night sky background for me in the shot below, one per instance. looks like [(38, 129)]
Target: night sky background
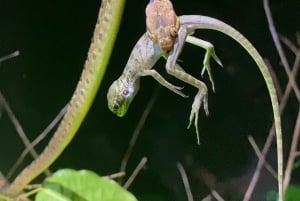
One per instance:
[(53, 38)]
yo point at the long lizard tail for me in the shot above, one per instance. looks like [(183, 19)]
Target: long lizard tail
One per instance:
[(193, 22)]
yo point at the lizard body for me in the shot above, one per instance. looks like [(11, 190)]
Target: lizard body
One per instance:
[(142, 59), (162, 27), (140, 63), (98, 56)]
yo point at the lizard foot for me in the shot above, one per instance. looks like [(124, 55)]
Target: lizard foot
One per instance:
[(210, 52), (200, 97)]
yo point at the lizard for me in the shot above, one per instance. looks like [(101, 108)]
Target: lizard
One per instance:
[(188, 24), (170, 33), (140, 63), (146, 53), (106, 29)]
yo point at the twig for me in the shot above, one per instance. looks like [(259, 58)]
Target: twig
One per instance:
[(260, 156), (217, 195), (115, 175), (207, 198), (279, 48), (293, 152), (138, 129), (185, 182), (288, 43), (36, 141), (11, 55), (17, 125), (3, 180), (270, 137), (214, 194), (135, 172), (288, 88)]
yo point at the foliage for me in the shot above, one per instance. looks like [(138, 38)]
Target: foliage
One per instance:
[(83, 185), (292, 194)]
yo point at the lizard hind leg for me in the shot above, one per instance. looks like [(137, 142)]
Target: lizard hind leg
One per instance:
[(210, 52), (201, 96), (173, 69)]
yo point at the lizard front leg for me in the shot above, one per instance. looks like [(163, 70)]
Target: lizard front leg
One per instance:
[(171, 68), (162, 81)]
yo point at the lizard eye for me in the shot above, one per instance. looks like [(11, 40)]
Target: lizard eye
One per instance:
[(125, 92), (173, 32)]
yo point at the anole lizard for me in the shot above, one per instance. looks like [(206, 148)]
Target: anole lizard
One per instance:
[(170, 33)]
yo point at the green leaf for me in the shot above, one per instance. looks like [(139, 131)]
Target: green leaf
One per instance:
[(296, 164), (83, 185), (292, 193)]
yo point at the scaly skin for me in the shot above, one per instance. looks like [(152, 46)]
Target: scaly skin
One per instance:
[(143, 57), (188, 24), (106, 29), (162, 23), (159, 24)]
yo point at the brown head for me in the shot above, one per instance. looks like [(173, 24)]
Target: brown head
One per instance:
[(162, 23)]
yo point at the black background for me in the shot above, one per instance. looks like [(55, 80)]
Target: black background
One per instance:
[(53, 38)]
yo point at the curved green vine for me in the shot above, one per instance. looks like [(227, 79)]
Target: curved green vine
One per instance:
[(105, 33)]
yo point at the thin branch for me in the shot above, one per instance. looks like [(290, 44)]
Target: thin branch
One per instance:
[(279, 48), (3, 180), (207, 198), (293, 152), (288, 88), (214, 194), (48, 129), (11, 55), (17, 125), (135, 172), (115, 175), (138, 129), (289, 44), (262, 157), (217, 195), (185, 181)]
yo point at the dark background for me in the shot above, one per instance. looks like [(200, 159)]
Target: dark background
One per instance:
[(53, 38)]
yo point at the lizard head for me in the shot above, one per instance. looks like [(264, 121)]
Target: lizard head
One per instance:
[(120, 95), (162, 23)]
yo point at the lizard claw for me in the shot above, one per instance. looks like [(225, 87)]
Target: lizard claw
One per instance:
[(177, 89), (199, 98), (210, 52), (181, 94)]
